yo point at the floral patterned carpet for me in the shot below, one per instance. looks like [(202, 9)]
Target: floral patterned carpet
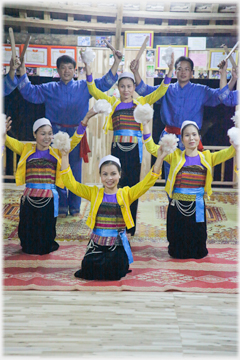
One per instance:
[(152, 270)]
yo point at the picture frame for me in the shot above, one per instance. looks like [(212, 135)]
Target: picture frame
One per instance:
[(135, 39), (179, 50)]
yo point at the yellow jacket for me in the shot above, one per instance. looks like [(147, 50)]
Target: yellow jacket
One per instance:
[(149, 99), (25, 150), (177, 159), (125, 196)]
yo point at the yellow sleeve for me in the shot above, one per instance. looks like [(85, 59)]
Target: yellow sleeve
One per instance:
[(98, 94), (74, 186), (14, 145), (222, 155), (151, 147), (155, 95), (75, 140), (140, 188)]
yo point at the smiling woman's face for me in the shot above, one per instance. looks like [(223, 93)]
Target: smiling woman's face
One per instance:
[(110, 177), (190, 137), (44, 137)]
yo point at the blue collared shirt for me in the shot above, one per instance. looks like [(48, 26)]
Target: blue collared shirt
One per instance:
[(64, 104), (187, 103)]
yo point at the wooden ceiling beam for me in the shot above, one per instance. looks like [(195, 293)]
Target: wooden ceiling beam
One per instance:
[(108, 12), (109, 27)]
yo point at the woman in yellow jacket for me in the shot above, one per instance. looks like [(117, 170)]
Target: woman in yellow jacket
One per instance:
[(127, 142), (108, 253), (39, 168), (189, 177)]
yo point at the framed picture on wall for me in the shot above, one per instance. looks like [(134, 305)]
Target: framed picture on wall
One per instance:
[(179, 50), (216, 56), (7, 53), (57, 51), (36, 56), (135, 39)]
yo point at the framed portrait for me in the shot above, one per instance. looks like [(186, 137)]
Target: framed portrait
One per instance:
[(179, 50)]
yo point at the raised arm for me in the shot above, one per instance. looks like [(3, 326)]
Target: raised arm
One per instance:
[(69, 180), (140, 188), (14, 64), (117, 59)]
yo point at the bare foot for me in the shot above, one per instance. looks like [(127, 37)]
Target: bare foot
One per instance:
[(62, 215)]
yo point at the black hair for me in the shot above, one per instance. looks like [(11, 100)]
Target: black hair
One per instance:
[(110, 162), (187, 126), (184, 58), (65, 59)]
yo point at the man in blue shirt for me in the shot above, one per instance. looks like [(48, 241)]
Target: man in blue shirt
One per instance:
[(66, 104), (183, 100)]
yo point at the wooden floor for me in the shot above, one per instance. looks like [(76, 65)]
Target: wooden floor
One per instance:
[(119, 324)]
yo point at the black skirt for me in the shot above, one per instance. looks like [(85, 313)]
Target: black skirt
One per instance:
[(37, 227), (103, 263), (187, 238)]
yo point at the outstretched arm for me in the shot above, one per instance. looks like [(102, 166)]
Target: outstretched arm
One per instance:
[(117, 59), (158, 163), (233, 79), (223, 75), (7, 127)]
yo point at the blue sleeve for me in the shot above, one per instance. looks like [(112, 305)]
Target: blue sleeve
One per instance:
[(31, 93), (229, 98), (106, 82), (9, 84), (143, 89), (214, 97)]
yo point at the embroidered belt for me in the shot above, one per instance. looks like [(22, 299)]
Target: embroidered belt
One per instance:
[(136, 133), (123, 236), (125, 139), (47, 187), (184, 197), (198, 192)]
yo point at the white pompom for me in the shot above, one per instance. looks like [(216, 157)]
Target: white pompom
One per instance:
[(234, 135), (167, 55), (143, 113), (88, 56), (235, 118), (4, 118), (61, 141), (102, 106), (169, 143)]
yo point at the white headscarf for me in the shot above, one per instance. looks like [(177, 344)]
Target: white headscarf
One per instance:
[(109, 158), (40, 122)]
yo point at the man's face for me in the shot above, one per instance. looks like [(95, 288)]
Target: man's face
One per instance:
[(184, 72), (66, 72)]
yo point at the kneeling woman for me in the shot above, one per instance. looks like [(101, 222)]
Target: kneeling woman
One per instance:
[(108, 253), (39, 167), (190, 175)]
